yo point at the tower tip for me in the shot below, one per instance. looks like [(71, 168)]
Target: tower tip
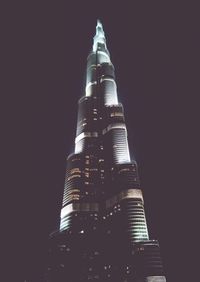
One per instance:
[(99, 23), (99, 36)]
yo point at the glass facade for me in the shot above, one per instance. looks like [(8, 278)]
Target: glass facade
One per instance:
[(103, 232)]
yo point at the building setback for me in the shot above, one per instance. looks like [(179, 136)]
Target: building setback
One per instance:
[(103, 233)]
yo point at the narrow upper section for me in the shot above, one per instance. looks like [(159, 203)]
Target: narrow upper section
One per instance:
[(99, 38), (100, 75)]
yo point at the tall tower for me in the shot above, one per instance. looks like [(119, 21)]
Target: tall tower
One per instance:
[(103, 233)]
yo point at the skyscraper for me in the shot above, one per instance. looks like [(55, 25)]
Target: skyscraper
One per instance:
[(103, 234)]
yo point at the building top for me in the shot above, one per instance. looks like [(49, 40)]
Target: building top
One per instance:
[(99, 38)]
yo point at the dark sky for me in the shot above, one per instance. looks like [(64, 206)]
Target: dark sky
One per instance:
[(152, 46)]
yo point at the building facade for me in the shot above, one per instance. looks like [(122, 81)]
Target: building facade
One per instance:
[(103, 233)]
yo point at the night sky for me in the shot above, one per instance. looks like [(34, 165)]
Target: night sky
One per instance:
[(152, 46)]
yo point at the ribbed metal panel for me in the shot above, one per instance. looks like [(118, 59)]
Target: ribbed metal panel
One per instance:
[(134, 220), (73, 178), (155, 279), (109, 90), (149, 259), (117, 144), (78, 221)]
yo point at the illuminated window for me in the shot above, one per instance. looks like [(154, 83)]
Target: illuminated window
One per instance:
[(93, 169), (116, 114), (125, 169), (75, 159), (62, 246)]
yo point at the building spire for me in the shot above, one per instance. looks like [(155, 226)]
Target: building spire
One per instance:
[(99, 28), (99, 38)]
